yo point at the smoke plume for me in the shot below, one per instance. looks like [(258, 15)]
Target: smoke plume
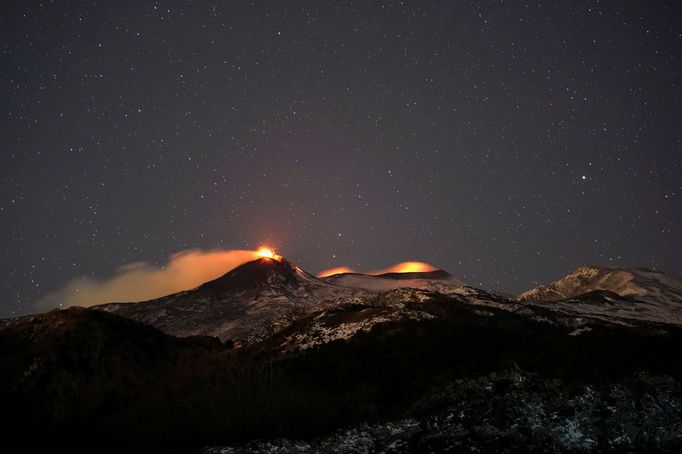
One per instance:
[(142, 281)]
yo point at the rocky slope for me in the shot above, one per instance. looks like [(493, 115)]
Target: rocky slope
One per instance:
[(421, 365), (438, 280), (245, 305), (639, 283), (513, 412), (613, 294), (262, 297)]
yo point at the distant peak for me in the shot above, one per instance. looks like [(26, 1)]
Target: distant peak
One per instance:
[(590, 269), (595, 270), (641, 283)]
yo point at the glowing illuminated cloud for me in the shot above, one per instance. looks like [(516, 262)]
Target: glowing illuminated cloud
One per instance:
[(337, 270), (402, 267), (406, 267), (184, 270), (144, 281)]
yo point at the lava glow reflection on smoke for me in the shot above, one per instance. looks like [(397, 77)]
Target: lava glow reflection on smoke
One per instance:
[(402, 267), (337, 270), (406, 267)]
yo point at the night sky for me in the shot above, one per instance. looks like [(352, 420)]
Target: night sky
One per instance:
[(506, 142)]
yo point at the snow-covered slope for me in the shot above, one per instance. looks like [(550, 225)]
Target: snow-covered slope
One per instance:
[(613, 293), (245, 305), (345, 321), (437, 280), (640, 283), (264, 297), (334, 322)]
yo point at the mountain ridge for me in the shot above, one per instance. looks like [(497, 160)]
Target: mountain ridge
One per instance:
[(244, 305), (262, 297), (624, 294), (435, 280), (642, 283), (301, 357)]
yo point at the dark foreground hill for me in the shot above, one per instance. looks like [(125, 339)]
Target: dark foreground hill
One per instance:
[(467, 377)]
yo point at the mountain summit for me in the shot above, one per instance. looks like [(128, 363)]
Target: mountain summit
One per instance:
[(310, 349), (640, 283), (245, 305), (260, 274), (613, 294), (263, 296)]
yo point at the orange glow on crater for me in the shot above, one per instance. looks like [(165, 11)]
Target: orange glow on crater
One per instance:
[(332, 271), (266, 252), (408, 267), (402, 267)]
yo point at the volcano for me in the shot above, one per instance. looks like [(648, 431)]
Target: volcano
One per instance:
[(264, 273), (263, 296), (436, 280), (596, 351), (245, 305)]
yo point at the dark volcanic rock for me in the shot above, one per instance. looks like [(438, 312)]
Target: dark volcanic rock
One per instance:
[(261, 273)]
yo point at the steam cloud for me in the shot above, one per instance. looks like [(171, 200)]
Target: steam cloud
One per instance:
[(406, 267), (185, 270), (142, 281)]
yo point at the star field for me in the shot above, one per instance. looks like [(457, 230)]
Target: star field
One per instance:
[(506, 142)]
